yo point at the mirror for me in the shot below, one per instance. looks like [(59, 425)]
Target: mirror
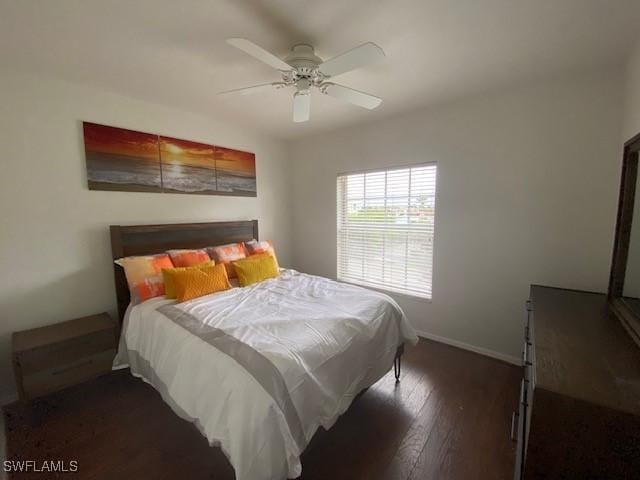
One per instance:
[(631, 287), (624, 284)]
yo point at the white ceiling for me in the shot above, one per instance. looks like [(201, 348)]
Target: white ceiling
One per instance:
[(173, 51)]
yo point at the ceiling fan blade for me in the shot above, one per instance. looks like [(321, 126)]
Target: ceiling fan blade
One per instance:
[(259, 53), (253, 89), (301, 107), (355, 58), (356, 97)]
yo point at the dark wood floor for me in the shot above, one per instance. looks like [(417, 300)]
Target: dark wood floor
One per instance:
[(634, 303), (449, 418)]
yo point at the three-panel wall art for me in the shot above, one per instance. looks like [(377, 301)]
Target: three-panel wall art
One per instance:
[(126, 160)]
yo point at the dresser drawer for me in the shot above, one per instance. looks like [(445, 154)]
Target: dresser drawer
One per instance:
[(63, 375), (64, 353)]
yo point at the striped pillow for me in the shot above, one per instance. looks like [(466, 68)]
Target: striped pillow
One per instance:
[(188, 258), (226, 254), (144, 275), (254, 246), (264, 247)]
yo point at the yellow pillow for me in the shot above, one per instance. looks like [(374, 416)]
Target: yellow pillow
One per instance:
[(252, 270), (271, 254), (196, 282), (168, 277)]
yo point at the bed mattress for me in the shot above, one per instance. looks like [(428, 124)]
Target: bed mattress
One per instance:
[(259, 369)]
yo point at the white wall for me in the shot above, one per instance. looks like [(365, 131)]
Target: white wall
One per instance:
[(631, 126), (54, 241), (527, 187)]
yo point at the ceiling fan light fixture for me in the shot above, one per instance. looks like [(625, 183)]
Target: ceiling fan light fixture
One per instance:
[(301, 106), (303, 69)]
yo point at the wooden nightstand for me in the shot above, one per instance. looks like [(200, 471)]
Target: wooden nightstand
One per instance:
[(56, 356)]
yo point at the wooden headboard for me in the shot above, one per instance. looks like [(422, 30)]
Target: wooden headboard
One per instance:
[(148, 239)]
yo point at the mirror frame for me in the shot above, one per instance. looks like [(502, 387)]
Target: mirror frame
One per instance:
[(630, 319)]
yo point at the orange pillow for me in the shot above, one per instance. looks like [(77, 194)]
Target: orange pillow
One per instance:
[(144, 275), (196, 282), (169, 278), (226, 254), (188, 258)]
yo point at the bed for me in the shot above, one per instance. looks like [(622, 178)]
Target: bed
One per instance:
[(257, 369)]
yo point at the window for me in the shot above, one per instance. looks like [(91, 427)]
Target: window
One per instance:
[(386, 228)]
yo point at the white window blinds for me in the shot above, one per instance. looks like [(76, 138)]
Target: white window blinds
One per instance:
[(386, 228)]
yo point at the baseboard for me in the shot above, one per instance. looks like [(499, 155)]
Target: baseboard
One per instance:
[(465, 346)]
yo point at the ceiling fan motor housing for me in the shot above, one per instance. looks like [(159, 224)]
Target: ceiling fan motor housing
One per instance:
[(305, 65), (302, 56)]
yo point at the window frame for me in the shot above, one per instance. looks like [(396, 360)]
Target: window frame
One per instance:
[(386, 289)]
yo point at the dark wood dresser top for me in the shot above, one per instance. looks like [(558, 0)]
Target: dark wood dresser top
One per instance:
[(582, 351), (59, 332)]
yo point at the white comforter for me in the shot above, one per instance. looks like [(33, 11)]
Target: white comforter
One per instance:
[(327, 340)]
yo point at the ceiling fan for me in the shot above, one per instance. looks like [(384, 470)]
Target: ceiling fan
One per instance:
[(303, 70)]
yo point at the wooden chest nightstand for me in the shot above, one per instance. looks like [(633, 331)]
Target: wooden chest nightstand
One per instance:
[(56, 356)]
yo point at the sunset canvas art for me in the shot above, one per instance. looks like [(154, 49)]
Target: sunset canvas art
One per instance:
[(236, 172), (187, 167), (127, 160), (119, 159)]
